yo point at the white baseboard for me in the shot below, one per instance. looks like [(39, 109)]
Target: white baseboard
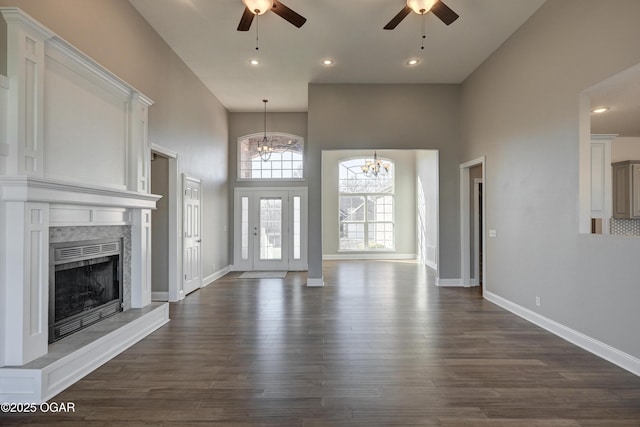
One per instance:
[(600, 349), (206, 281), (448, 282), (159, 296), (37, 385), (365, 256), (315, 283)]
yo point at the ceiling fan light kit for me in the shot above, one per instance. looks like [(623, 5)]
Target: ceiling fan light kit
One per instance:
[(258, 7), (421, 6)]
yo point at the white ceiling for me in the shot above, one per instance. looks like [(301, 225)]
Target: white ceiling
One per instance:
[(203, 33), (620, 93)]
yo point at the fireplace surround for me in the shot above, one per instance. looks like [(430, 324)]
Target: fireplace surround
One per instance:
[(85, 281)]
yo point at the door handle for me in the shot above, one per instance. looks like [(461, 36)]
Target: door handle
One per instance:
[(199, 240)]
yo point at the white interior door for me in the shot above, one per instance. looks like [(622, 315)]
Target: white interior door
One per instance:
[(270, 229), (192, 261)]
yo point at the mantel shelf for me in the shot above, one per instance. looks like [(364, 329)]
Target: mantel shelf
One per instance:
[(33, 189)]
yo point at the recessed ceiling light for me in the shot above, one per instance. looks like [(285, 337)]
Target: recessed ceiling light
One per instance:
[(254, 62), (599, 110), (413, 62), (327, 62)]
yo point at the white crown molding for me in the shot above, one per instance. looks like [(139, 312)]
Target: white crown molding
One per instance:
[(15, 14)]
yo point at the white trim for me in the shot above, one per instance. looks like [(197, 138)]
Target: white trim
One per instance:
[(174, 202), (315, 282), (37, 385), (369, 255), (160, 296), (268, 134), (475, 280), (206, 281), (4, 82), (598, 348), (465, 218), (449, 282), (164, 151)]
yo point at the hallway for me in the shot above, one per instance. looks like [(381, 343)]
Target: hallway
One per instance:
[(378, 345)]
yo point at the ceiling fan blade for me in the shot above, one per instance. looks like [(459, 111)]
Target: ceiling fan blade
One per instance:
[(288, 14), (398, 18), (246, 20), (444, 12)]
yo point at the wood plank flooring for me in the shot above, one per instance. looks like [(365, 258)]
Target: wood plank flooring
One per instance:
[(379, 345)]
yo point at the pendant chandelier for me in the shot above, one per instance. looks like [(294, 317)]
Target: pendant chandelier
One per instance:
[(375, 168), (265, 147)]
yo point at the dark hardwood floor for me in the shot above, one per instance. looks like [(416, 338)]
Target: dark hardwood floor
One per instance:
[(379, 345)]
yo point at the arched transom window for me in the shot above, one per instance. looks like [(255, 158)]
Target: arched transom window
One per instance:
[(365, 207), (285, 162)]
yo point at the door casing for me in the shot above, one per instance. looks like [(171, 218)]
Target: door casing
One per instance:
[(253, 193)]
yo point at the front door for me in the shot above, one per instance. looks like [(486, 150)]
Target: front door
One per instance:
[(270, 229)]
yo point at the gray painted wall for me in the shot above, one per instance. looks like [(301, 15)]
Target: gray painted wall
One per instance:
[(521, 110), (405, 200), (366, 116), (185, 118)]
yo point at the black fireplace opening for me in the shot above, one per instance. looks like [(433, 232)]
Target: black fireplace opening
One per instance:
[(86, 285)]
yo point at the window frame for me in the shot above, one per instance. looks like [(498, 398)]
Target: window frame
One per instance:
[(366, 197), (239, 145)]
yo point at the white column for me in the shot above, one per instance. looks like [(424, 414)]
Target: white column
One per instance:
[(140, 258), (139, 153), (25, 70), (25, 282)]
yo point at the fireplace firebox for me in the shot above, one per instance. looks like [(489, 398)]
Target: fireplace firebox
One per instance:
[(85, 284)]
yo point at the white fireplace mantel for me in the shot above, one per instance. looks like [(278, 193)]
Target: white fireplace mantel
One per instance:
[(74, 151), (46, 190)]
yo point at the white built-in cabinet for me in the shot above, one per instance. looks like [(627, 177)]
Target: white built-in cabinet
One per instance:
[(626, 189)]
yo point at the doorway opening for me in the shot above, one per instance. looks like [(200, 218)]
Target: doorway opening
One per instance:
[(473, 223), (166, 229)]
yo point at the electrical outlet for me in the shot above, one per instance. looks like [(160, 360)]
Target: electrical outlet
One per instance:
[(537, 301)]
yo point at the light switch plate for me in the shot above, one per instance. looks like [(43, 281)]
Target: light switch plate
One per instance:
[(493, 233)]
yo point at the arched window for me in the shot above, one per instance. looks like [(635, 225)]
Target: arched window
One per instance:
[(285, 162), (366, 207)]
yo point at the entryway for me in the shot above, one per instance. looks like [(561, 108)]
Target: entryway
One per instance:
[(472, 224), (270, 229)]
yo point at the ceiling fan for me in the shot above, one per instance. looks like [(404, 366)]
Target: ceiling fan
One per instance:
[(260, 7), (421, 7)]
